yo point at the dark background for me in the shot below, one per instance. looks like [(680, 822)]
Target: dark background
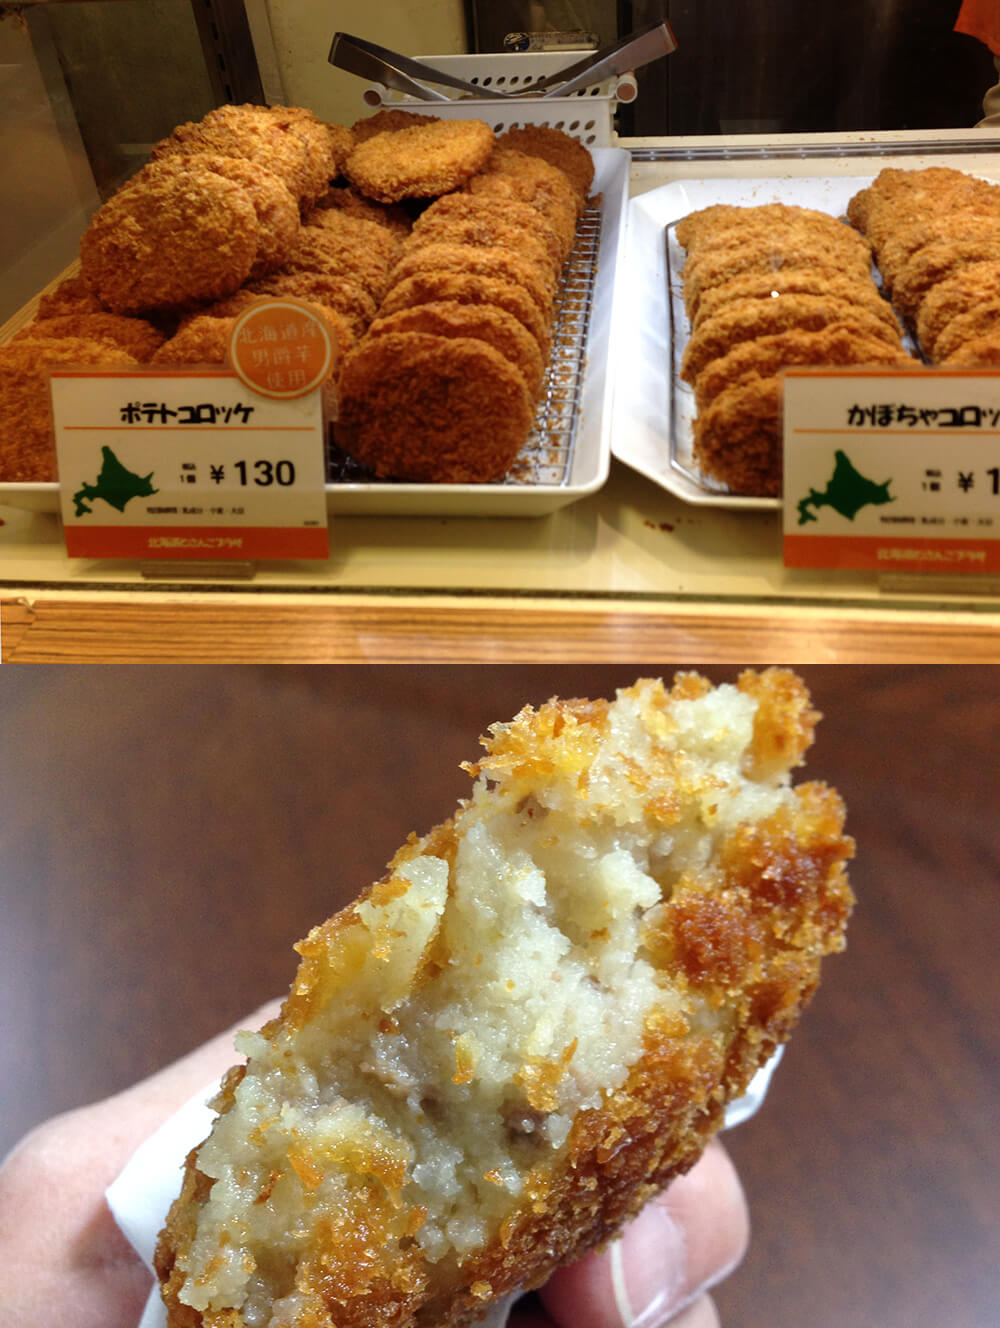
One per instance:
[(780, 66), (166, 834)]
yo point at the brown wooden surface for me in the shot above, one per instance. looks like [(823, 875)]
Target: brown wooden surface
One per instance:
[(253, 628), (166, 835)]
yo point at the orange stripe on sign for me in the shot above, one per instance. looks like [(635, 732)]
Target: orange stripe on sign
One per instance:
[(224, 542), (892, 554), (981, 19)]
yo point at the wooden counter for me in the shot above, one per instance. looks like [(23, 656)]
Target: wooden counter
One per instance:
[(167, 835)]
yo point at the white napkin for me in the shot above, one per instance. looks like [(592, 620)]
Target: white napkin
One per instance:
[(140, 1196)]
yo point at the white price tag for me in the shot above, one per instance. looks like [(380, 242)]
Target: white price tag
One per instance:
[(896, 471)]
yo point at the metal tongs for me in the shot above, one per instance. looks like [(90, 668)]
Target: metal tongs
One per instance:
[(410, 77)]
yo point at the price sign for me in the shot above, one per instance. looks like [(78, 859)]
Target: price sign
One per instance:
[(896, 471), (222, 462)]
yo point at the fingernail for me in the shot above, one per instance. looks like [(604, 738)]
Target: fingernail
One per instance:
[(654, 1283)]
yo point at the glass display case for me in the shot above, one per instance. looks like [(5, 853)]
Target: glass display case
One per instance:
[(758, 104)]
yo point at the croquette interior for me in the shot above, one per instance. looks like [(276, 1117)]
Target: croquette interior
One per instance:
[(470, 1053)]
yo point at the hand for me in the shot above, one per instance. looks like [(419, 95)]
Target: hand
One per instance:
[(64, 1260)]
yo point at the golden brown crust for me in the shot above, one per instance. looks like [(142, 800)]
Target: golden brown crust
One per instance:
[(746, 939), (27, 450), (484, 322), (173, 236), (133, 335), (469, 288), (429, 408), (558, 149), (737, 438), (422, 161)]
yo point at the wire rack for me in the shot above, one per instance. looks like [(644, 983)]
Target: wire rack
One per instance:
[(546, 459)]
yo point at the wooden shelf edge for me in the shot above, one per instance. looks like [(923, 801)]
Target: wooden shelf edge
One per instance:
[(233, 629)]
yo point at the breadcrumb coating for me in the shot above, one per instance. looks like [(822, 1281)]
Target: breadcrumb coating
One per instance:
[(421, 161), (556, 147), (484, 322), (530, 1025), (434, 409), (134, 335), (28, 453), (469, 288)]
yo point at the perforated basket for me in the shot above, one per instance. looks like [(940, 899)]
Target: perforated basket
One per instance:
[(587, 114)]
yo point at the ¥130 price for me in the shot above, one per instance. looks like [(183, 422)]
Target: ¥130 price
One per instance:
[(265, 473)]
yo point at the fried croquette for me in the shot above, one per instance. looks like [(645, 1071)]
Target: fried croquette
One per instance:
[(277, 211), (71, 296), (765, 357), (899, 196), (721, 223), (484, 322), (938, 260), (746, 319), (170, 238), (139, 338), (344, 198), (27, 447), (464, 219), (205, 339), (737, 438), (481, 260), (963, 290), (714, 267), (980, 352), (282, 139), (797, 281), (364, 259), (530, 1025), (433, 409), (530, 179), (556, 147), (382, 240), (389, 121), (983, 320), (341, 294), (340, 141), (337, 323), (470, 288), (422, 161)]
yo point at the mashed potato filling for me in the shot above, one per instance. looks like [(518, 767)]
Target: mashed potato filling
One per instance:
[(444, 1033)]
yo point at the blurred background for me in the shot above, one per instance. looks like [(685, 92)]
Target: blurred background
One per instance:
[(167, 834)]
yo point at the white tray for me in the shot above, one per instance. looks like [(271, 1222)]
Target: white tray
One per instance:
[(654, 409), (591, 450)]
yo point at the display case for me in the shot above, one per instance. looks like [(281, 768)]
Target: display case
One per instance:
[(620, 553)]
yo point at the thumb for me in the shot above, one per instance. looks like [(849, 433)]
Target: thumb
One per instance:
[(682, 1242)]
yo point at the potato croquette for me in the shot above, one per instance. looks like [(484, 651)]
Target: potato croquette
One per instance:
[(389, 121), (464, 219), (502, 264), (433, 409), (344, 295), (530, 179), (277, 211), (336, 252), (470, 288), (559, 149), (71, 296), (139, 338), (419, 162), (27, 448), (274, 138), (170, 238), (484, 322), (530, 1025), (343, 198)]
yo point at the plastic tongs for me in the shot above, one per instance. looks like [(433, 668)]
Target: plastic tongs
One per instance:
[(399, 72)]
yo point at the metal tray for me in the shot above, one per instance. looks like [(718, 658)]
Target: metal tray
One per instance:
[(654, 408)]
